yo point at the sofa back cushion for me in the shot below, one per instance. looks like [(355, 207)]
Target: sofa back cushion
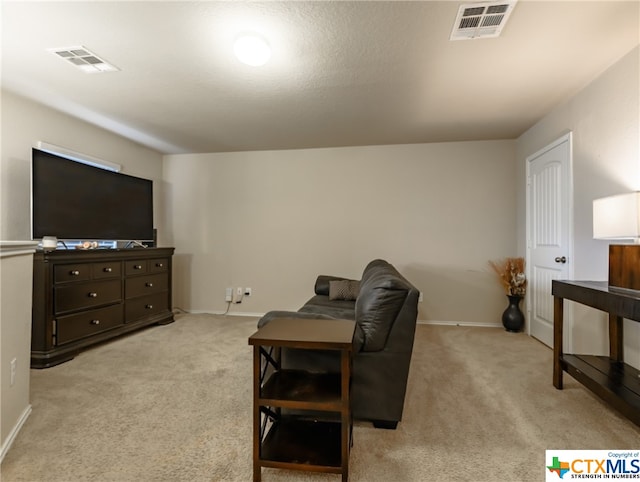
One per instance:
[(382, 293)]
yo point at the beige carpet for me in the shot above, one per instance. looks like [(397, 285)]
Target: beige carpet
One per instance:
[(173, 403)]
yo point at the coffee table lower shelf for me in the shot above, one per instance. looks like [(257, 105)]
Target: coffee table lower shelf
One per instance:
[(615, 382), (293, 443)]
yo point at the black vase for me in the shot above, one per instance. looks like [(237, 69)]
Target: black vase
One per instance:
[(513, 318)]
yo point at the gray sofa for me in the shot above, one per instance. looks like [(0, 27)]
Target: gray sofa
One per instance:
[(385, 309)]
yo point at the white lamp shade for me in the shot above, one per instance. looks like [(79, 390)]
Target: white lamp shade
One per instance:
[(617, 217)]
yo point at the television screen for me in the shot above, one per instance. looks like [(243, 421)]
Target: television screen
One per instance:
[(72, 200)]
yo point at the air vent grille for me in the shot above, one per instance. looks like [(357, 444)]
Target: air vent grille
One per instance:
[(481, 20), (492, 20), (473, 11), (84, 59)]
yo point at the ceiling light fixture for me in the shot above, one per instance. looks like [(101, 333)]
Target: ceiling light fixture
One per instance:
[(252, 50)]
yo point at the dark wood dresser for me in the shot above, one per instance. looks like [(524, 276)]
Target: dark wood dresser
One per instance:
[(81, 298)]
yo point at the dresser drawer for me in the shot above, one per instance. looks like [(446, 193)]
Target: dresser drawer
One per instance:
[(145, 285), (87, 323), (86, 295), (146, 306), (135, 267), (158, 265), (64, 273), (107, 269)]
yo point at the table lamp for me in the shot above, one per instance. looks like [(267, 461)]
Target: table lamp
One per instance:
[(618, 218)]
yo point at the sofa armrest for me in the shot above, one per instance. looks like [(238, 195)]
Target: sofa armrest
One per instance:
[(385, 300)]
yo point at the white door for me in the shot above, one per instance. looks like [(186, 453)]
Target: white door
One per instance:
[(549, 221)]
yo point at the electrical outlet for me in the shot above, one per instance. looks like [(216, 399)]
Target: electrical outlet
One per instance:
[(13, 371), (228, 294), (239, 294), (420, 297), (247, 291)]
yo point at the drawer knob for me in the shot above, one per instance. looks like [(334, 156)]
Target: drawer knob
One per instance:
[(137, 266), (74, 272), (149, 285), (107, 270), (95, 322), (149, 307), (159, 265), (93, 294)]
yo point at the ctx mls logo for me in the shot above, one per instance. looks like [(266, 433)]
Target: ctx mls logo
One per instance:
[(592, 464), (558, 467)]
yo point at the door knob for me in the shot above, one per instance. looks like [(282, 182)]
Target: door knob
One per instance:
[(561, 260)]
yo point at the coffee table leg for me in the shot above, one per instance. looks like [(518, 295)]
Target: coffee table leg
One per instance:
[(558, 312), (616, 345), (346, 412), (257, 470)]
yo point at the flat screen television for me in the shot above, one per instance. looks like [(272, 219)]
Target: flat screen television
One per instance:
[(72, 200)]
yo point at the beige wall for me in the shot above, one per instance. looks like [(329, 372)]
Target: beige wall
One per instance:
[(605, 120), (16, 268), (24, 123), (274, 220)]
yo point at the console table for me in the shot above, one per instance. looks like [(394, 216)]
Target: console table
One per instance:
[(84, 297), (608, 377), (301, 420)]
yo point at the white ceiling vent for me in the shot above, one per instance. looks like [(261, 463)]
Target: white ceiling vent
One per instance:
[(481, 20), (84, 59)]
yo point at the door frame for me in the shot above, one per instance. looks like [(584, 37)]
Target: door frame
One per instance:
[(568, 185)]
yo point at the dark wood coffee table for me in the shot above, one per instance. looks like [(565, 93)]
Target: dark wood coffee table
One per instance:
[(301, 420), (607, 376)]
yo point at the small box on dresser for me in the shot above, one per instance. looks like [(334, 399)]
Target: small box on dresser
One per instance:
[(81, 298), (624, 266)]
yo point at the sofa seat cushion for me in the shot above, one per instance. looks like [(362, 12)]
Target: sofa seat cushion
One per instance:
[(272, 315), (344, 309)]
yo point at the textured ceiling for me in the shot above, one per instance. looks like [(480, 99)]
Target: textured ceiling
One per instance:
[(341, 73)]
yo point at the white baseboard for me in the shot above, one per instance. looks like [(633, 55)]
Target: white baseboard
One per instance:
[(460, 323), (420, 322), (14, 432), (243, 313), (215, 312)]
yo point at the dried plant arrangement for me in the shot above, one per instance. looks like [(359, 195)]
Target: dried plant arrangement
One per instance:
[(511, 274)]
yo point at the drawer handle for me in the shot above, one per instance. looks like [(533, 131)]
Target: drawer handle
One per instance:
[(74, 272), (137, 266), (95, 322), (107, 270), (149, 285), (149, 307), (93, 294), (159, 265)]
